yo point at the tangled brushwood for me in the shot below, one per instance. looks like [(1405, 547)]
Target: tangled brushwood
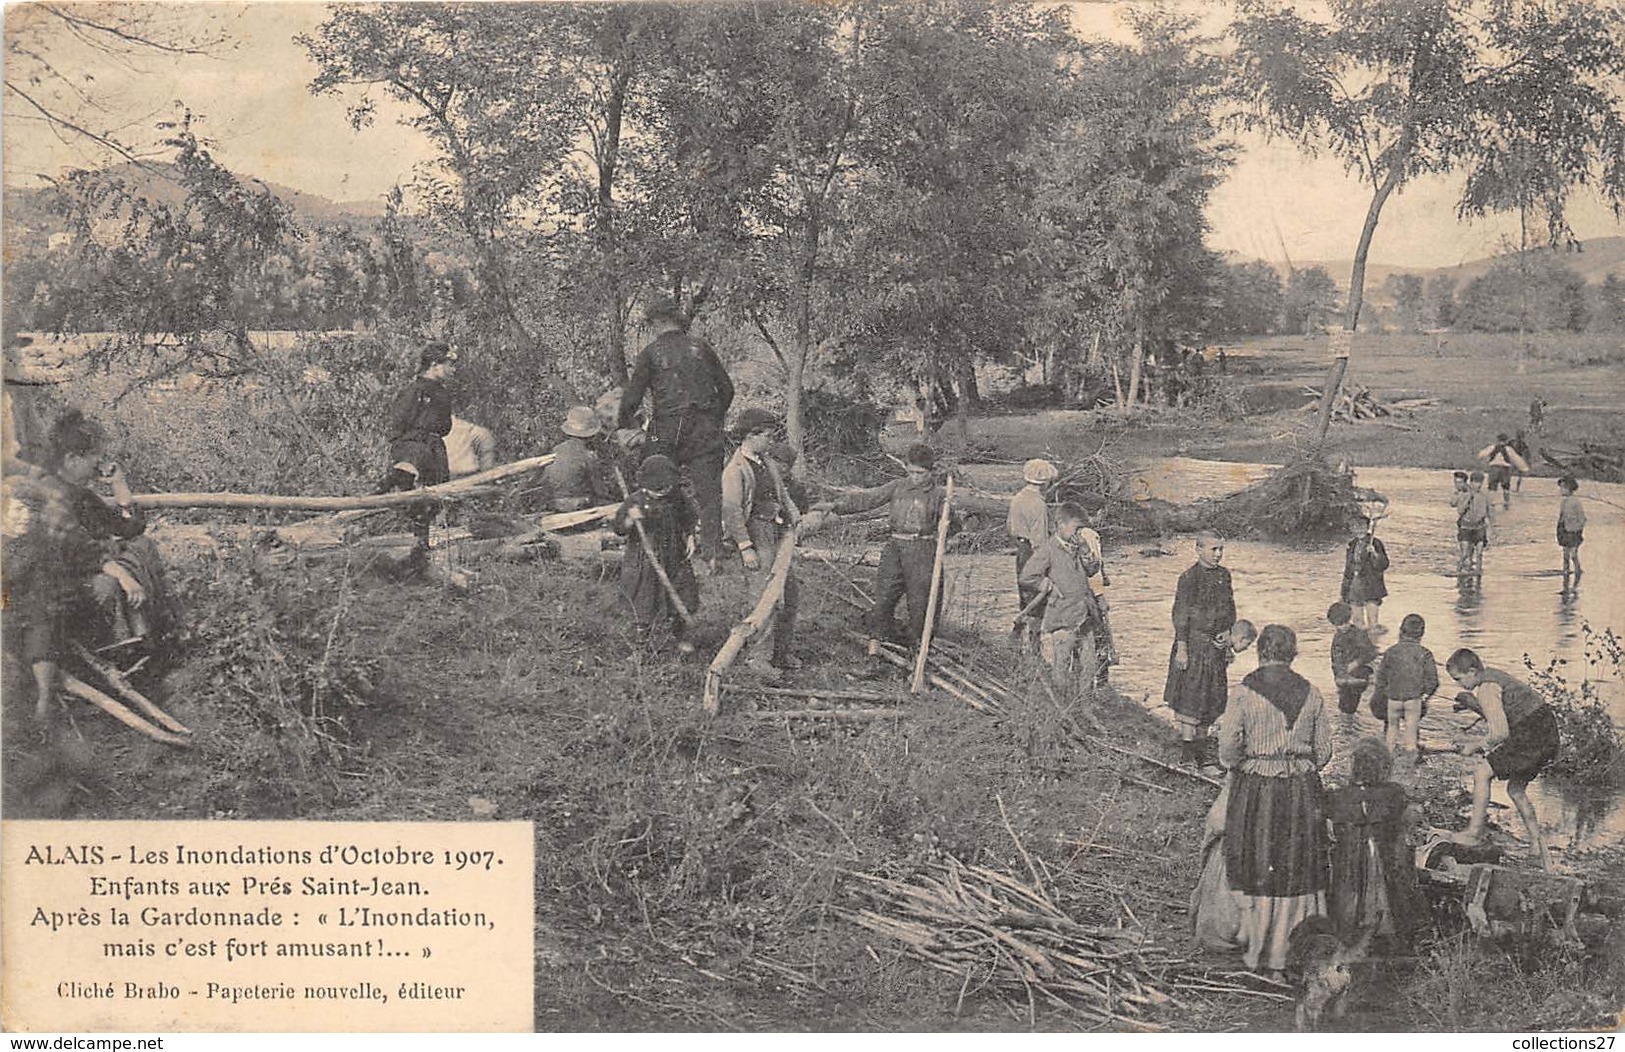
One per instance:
[(1009, 936), (271, 662), (1593, 749)]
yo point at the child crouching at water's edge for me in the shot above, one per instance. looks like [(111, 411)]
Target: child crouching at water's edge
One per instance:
[(666, 516)]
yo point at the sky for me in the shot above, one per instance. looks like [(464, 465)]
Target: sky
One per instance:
[(1275, 204)]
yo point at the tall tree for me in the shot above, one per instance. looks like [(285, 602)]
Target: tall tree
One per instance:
[(1310, 301), (1409, 300), (1400, 88), (1441, 297)]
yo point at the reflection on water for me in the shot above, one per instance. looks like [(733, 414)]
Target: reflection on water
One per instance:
[(1519, 608)]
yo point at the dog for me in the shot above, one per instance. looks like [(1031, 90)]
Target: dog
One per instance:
[(1323, 965)]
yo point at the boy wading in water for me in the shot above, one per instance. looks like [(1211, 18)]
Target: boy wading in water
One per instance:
[(1062, 569), (1472, 522), (1571, 524), (1204, 611), (1407, 677), (1364, 584), (1503, 459), (1352, 655), (1522, 741)]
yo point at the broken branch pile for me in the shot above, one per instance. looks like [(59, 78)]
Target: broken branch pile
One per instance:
[(997, 931), (1356, 402)]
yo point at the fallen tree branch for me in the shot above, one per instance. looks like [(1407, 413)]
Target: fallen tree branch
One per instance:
[(126, 690), (833, 714), (80, 689), (475, 485)]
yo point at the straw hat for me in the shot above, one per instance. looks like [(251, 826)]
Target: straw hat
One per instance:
[(581, 422), (1038, 472)]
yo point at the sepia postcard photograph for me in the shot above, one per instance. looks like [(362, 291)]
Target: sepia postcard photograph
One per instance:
[(866, 516)]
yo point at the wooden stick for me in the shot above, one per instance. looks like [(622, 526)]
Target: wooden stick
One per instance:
[(828, 695), (936, 588), (80, 689), (469, 486), (122, 685), (833, 714), (933, 678), (654, 559), (1214, 782)]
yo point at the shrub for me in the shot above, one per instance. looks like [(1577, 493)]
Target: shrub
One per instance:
[(1593, 750)]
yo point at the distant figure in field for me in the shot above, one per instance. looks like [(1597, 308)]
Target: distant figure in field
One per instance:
[(1537, 413), (1503, 459), (1204, 611), (1571, 523)]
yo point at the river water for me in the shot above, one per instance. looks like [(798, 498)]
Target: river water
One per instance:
[(1519, 608)]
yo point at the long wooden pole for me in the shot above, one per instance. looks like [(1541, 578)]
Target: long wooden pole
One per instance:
[(918, 685), (80, 689), (469, 486)]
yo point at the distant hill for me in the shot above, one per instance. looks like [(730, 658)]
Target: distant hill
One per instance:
[(1596, 258), (29, 220)]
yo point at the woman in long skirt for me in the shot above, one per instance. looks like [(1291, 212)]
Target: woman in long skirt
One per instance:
[(1275, 737)]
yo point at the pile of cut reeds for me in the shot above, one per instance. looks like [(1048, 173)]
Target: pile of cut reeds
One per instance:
[(1003, 934)]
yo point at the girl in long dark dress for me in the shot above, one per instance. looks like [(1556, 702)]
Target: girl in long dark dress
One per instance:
[(1204, 610), (1364, 584), (1373, 871)]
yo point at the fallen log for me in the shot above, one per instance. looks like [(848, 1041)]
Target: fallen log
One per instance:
[(117, 680), (829, 695), (475, 485), (932, 677), (80, 689), (1199, 776)]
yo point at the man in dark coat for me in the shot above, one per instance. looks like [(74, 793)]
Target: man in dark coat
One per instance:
[(690, 394), (419, 420)]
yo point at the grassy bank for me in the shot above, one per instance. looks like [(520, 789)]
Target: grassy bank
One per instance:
[(691, 872)]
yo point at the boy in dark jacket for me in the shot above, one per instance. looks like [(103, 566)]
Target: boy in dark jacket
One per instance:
[(1407, 677), (668, 518), (1352, 655), (915, 504), (1364, 583), (419, 420)]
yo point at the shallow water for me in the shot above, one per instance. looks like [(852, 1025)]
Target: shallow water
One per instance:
[(1518, 608)]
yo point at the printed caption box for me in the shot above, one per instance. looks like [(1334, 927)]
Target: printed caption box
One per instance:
[(267, 926)]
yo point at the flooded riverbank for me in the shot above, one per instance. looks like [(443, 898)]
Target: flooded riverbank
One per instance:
[(1519, 607)]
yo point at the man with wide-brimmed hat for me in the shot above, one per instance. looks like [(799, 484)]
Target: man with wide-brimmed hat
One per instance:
[(690, 393), (756, 510), (575, 479), (419, 420)]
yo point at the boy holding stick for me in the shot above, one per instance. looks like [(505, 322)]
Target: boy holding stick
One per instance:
[(914, 503), (657, 578)]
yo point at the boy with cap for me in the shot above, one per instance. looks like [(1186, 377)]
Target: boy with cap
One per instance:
[(1028, 525), (1406, 678), (690, 394), (575, 479), (1352, 655), (667, 517), (419, 419), (756, 510), (1062, 568), (906, 564)]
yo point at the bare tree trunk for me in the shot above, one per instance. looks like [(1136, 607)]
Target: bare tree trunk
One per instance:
[(1136, 368), (795, 362), (1340, 365), (607, 236)]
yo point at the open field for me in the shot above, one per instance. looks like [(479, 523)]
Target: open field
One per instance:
[(1257, 419)]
